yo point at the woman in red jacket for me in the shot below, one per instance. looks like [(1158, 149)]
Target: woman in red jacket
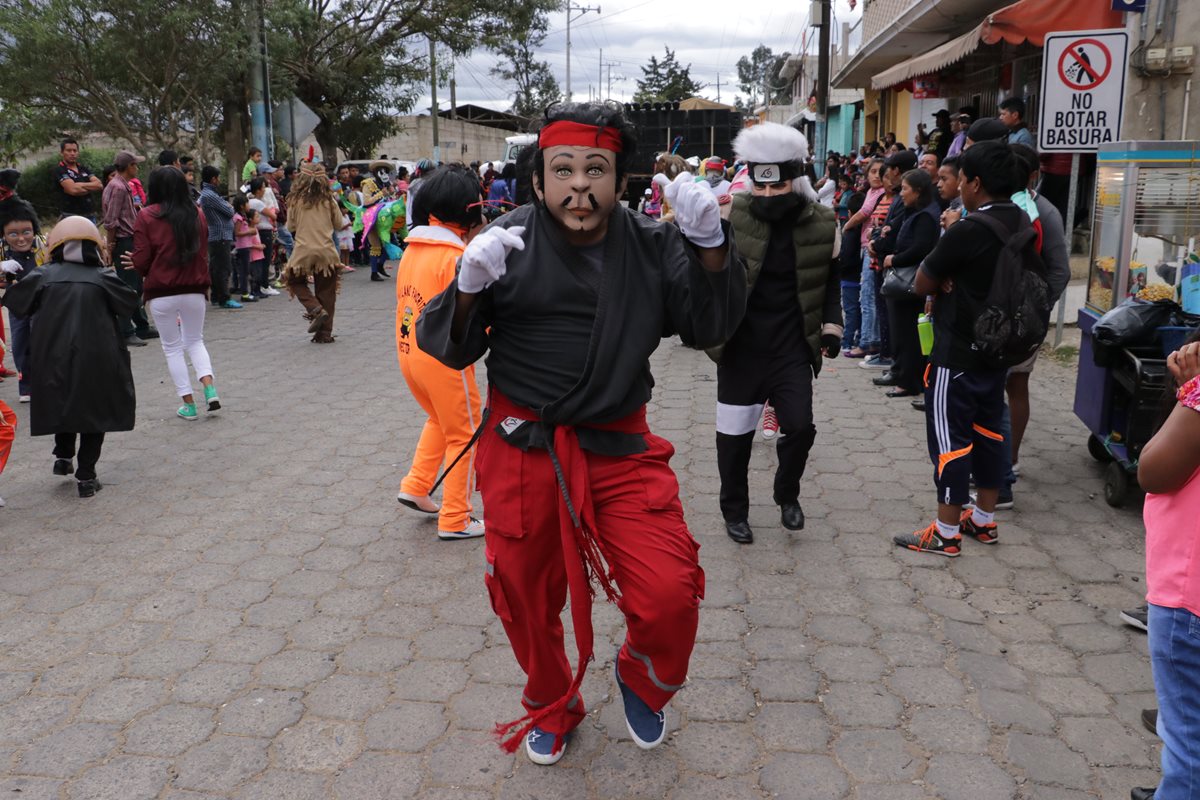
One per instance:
[(170, 253)]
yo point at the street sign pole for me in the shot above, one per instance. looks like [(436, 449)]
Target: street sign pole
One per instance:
[(1082, 103), (1068, 227)]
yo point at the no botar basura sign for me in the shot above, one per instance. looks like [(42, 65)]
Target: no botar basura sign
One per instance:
[(1083, 90)]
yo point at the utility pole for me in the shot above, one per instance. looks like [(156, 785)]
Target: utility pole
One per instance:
[(571, 9), (437, 148), (823, 45), (718, 87), (260, 91), (610, 65)]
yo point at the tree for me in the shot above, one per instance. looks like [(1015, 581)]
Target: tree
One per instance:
[(358, 62), (535, 85), (758, 76), (151, 73), (665, 80)]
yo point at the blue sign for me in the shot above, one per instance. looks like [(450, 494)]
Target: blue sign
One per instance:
[(1137, 6)]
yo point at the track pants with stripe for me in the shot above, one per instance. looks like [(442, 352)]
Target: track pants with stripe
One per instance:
[(964, 412), (742, 388), (651, 555), (451, 399)]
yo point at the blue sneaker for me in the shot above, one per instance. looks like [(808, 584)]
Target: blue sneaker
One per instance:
[(647, 727), (539, 746), (230, 303)]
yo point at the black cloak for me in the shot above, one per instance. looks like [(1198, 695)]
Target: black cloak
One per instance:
[(80, 373)]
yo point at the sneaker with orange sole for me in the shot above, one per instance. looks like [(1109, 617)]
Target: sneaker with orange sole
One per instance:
[(987, 534), (930, 541)]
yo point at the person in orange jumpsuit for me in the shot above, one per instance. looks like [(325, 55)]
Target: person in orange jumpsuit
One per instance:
[(447, 215)]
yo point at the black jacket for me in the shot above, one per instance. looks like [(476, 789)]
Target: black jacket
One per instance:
[(80, 373), (913, 236)]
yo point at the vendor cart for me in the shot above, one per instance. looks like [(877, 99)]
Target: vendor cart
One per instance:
[(1145, 239)]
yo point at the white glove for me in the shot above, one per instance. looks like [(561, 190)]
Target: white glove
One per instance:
[(696, 209), (10, 266), (483, 262)]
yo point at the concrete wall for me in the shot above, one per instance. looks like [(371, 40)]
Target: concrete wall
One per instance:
[(459, 140), (1154, 107)]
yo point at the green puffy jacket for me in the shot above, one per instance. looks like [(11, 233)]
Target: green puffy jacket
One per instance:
[(818, 290)]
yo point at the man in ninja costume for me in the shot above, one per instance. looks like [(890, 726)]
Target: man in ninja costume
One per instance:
[(572, 294), (793, 317)]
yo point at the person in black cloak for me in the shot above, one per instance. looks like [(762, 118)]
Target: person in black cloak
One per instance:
[(82, 381)]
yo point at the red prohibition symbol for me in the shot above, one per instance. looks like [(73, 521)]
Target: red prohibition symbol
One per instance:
[(1078, 71)]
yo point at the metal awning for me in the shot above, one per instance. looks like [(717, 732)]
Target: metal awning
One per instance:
[(1025, 20), (941, 56)]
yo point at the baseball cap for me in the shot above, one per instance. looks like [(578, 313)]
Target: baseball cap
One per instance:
[(124, 158), (265, 168), (905, 160), (941, 112), (987, 129)]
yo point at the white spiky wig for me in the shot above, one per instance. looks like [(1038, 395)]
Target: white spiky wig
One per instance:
[(772, 143)]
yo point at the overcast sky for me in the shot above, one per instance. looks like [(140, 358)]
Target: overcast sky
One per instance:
[(711, 35)]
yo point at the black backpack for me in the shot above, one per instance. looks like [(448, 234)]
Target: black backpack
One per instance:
[(1016, 315)]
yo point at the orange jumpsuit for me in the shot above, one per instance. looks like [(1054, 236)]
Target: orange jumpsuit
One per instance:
[(450, 397), (8, 428)]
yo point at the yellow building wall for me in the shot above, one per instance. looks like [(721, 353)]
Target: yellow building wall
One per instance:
[(902, 106)]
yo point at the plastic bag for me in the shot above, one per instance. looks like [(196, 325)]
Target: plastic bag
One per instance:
[(1134, 323)]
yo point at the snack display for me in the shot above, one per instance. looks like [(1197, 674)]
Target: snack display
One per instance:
[(1156, 292)]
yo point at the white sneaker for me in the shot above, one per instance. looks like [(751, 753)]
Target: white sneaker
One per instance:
[(423, 503), (23, 398), (267, 290), (473, 530)]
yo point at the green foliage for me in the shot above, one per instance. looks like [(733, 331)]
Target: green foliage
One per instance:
[(356, 62), (152, 73), (534, 84), (38, 187), (758, 76), (665, 80)]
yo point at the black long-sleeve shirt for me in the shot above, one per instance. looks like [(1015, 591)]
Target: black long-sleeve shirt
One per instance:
[(576, 349)]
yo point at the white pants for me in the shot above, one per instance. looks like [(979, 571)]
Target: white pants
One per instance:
[(180, 322)]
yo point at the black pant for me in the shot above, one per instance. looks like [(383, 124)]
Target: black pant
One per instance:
[(742, 387), (886, 347), (136, 322), (1057, 189), (265, 267), (89, 451), (219, 267), (909, 364)]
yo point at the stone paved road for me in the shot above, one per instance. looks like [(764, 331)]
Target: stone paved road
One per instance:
[(244, 611)]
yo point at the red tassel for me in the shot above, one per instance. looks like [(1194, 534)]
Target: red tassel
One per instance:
[(593, 564), (311, 152)]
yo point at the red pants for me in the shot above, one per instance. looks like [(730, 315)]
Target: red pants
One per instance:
[(8, 429), (637, 519)]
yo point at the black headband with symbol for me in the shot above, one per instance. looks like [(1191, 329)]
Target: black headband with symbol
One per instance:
[(767, 173)]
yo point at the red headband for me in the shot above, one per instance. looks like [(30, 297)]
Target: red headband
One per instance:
[(579, 134)]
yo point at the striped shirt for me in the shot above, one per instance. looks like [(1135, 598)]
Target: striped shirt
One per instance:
[(218, 213)]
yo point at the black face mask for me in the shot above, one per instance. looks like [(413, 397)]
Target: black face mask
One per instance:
[(777, 208)]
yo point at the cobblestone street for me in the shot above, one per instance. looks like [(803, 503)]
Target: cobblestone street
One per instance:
[(245, 612)]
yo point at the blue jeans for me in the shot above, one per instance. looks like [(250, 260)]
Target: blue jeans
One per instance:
[(851, 314), (285, 238), (19, 339), (868, 337), (1006, 454), (1175, 660)]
